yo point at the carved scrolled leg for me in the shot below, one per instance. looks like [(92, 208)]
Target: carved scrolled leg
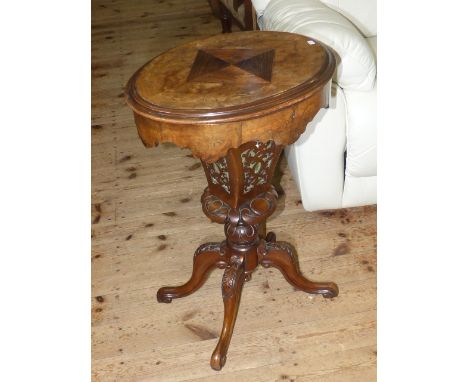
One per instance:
[(233, 280), (280, 255), (206, 258)]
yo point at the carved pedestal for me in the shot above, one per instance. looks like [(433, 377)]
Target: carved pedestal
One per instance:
[(240, 196)]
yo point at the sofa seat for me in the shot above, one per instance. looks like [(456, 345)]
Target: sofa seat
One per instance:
[(360, 187)]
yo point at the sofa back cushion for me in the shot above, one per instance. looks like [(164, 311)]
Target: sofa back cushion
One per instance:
[(362, 13), (259, 6), (356, 63)]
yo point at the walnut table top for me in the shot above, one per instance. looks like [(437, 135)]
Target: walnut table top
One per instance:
[(217, 93)]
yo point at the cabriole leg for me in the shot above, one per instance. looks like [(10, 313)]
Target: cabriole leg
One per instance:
[(233, 281), (280, 255), (207, 257)]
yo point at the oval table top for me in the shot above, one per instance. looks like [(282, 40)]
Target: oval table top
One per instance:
[(226, 79)]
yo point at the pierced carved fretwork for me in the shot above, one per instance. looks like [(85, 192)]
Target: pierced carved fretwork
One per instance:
[(219, 174), (256, 162)]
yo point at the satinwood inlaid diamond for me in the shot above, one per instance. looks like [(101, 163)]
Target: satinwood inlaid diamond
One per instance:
[(252, 61)]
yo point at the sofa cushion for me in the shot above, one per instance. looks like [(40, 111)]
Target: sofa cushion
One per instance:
[(361, 132), (359, 191), (356, 66), (316, 159), (362, 13), (260, 6), (372, 41)]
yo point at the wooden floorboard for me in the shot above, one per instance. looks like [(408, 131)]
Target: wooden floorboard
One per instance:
[(147, 222)]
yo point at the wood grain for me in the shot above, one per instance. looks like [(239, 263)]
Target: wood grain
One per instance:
[(209, 98), (143, 199), (298, 68)]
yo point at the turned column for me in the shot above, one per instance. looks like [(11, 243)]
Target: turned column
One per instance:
[(239, 195)]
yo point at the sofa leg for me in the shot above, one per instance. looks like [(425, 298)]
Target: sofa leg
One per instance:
[(226, 18)]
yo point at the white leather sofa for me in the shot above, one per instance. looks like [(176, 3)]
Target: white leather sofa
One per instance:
[(334, 161)]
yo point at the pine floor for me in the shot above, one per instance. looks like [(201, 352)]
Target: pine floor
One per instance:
[(147, 222)]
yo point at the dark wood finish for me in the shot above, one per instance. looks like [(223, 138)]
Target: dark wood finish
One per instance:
[(207, 257), (239, 147), (233, 280), (248, 22), (250, 17), (236, 4), (207, 62), (226, 18), (260, 65), (281, 256), (215, 7)]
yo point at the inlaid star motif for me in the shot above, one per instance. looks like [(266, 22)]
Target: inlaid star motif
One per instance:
[(256, 62)]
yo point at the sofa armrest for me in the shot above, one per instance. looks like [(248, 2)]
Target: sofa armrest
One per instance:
[(316, 160)]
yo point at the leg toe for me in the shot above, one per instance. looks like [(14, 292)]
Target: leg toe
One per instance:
[(217, 361), (162, 297), (331, 291)]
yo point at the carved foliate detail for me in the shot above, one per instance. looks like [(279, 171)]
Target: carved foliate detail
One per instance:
[(256, 162), (213, 207), (210, 247), (267, 246), (241, 233), (219, 174), (231, 276), (218, 248), (252, 212)]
